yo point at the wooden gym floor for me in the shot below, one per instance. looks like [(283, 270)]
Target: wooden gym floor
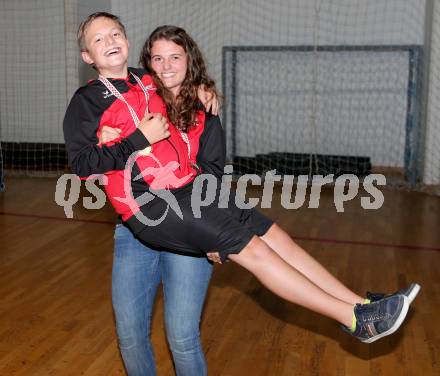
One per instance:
[(55, 307)]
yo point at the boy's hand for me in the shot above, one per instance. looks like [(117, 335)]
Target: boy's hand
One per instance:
[(154, 127), (214, 257), (209, 100), (108, 134)]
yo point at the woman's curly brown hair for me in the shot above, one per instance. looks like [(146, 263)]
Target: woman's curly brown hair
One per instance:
[(181, 110)]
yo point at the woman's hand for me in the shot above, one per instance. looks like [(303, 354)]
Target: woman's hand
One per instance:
[(154, 127), (108, 134), (209, 100)]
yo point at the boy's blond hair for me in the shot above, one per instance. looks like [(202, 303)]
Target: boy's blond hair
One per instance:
[(86, 23)]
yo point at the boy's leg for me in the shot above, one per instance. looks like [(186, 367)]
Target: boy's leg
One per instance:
[(185, 281), (294, 255), (135, 278)]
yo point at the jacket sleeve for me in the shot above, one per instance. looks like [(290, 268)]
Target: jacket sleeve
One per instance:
[(85, 156), (212, 150)]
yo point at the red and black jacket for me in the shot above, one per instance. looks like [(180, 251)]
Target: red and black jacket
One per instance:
[(92, 107)]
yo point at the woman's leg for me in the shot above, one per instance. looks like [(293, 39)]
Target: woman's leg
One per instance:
[(135, 278), (287, 282), (294, 255), (185, 281), (219, 229)]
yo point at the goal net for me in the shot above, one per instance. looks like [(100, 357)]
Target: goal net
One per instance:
[(310, 86), (322, 110), (34, 92)]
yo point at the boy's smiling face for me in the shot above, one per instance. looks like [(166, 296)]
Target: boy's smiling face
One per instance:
[(107, 48)]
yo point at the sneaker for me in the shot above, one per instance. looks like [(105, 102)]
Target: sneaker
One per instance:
[(410, 292), (379, 319)]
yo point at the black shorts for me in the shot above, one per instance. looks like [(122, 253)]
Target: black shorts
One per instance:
[(226, 231)]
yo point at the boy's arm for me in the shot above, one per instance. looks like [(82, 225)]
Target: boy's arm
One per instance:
[(212, 151), (86, 158), (209, 99)]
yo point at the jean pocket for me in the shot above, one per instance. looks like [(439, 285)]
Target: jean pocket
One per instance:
[(120, 231)]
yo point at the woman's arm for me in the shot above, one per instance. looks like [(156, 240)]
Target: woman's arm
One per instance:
[(212, 150)]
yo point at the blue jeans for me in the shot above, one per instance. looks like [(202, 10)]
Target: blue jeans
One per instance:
[(137, 273)]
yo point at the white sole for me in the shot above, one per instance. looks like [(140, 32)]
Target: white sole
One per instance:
[(396, 325), (413, 293)]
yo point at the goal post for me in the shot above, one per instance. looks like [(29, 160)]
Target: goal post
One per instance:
[(361, 102)]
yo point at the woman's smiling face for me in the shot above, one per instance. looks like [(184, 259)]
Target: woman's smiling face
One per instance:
[(170, 62)]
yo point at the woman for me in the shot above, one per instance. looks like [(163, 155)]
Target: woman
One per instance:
[(138, 269), (252, 240)]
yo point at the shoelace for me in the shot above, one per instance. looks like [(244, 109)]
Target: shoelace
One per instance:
[(370, 312)]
